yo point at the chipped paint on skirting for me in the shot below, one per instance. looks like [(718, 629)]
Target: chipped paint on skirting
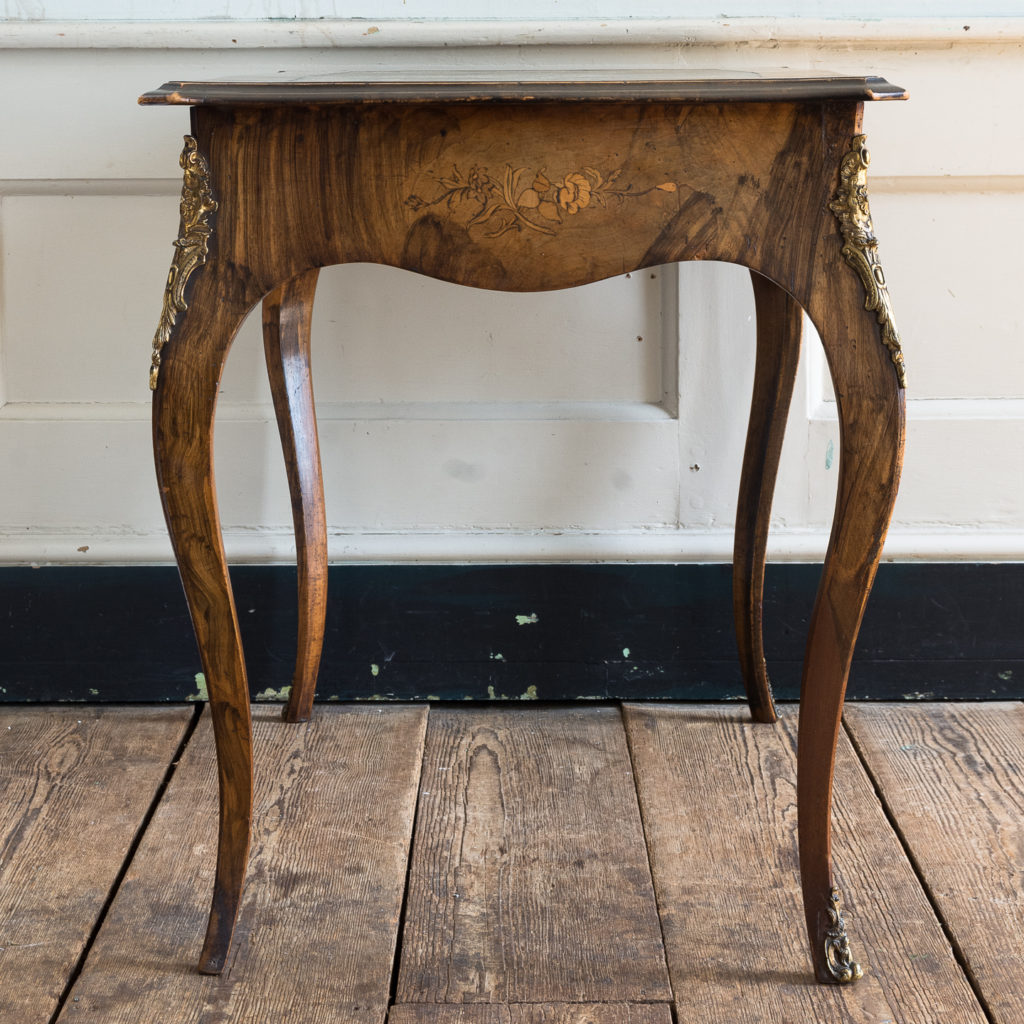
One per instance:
[(530, 693), (272, 694), (201, 691)]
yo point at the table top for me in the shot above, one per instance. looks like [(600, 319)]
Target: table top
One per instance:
[(689, 86)]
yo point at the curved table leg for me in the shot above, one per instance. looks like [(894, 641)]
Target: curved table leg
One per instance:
[(779, 324), (183, 411), (871, 406), (287, 312)]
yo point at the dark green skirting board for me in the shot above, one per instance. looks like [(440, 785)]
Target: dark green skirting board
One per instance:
[(550, 632)]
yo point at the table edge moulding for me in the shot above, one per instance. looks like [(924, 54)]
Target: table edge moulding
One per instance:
[(526, 186)]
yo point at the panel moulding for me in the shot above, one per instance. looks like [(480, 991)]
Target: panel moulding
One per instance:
[(255, 412), (1005, 410), (655, 545), (61, 187), (3, 307), (360, 33)]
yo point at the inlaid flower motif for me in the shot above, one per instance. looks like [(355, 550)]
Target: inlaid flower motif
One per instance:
[(505, 205), (574, 193)]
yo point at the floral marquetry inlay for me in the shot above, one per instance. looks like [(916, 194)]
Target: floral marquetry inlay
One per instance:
[(518, 200)]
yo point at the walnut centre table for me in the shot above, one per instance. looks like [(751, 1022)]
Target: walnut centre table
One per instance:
[(526, 186)]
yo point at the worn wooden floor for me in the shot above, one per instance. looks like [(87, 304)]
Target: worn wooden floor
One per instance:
[(509, 865)]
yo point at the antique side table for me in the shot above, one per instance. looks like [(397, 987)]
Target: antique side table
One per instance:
[(524, 187)]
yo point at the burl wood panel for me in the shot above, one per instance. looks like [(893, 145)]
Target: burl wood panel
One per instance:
[(316, 933), (67, 823), (459, 193), (529, 880), (719, 809), (952, 777)]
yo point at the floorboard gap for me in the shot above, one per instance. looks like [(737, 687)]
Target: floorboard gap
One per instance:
[(548, 1002), (126, 863), (650, 866), (397, 959), (958, 953)]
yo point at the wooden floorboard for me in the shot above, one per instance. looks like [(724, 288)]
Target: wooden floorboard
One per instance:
[(316, 933), (531, 1013), (953, 778), (75, 786), (531, 898), (719, 802), (529, 880)]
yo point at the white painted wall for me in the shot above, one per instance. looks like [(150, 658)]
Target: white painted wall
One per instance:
[(550, 10), (465, 425)]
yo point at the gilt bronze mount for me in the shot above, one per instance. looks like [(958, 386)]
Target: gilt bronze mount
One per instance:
[(850, 205), (838, 955), (191, 248)]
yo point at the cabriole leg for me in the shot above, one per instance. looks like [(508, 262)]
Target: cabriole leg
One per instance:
[(287, 312), (183, 410), (779, 323), (851, 309), (190, 347)]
